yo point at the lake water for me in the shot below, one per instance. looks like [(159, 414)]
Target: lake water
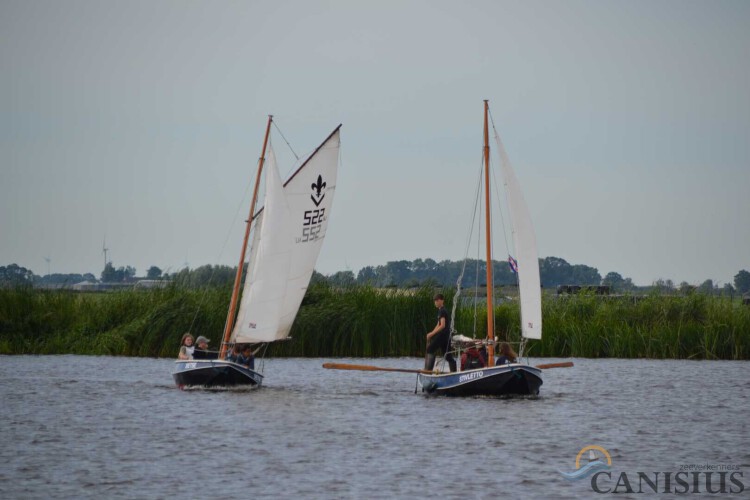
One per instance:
[(94, 427)]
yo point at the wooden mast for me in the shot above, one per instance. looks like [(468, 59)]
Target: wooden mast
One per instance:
[(238, 277), (488, 238)]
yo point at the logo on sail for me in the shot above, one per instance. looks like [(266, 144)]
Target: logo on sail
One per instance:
[(599, 459), (318, 194)]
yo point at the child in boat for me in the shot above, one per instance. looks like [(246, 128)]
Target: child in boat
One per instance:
[(186, 347), (246, 357), (507, 354), (233, 354)]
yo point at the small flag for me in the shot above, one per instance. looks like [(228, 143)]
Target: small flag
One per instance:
[(513, 264)]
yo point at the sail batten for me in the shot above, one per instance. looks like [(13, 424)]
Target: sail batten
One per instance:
[(524, 243)]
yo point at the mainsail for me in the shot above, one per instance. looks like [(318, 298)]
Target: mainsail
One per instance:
[(289, 234), (524, 242), (265, 288)]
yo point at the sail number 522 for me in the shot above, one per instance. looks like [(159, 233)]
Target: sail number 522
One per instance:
[(312, 225), (313, 217)]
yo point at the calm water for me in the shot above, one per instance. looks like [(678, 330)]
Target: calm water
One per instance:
[(93, 427)]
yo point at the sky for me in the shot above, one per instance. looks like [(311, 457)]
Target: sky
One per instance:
[(628, 124)]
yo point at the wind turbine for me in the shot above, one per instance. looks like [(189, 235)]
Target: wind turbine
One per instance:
[(48, 260), (105, 250)]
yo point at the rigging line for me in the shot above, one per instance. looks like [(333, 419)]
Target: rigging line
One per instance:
[(287, 142), (492, 257), (479, 250), (263, 358), (466, 255), (221, 252)]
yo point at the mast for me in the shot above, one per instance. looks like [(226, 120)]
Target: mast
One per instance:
[(488, 238), (238, 277)]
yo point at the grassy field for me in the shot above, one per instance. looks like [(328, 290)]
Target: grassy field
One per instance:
[(365, 322)]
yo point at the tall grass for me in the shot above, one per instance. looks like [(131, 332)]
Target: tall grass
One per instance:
[(128, 322), (368, 322)]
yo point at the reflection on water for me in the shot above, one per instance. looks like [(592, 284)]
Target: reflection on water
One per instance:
[(87, 427)]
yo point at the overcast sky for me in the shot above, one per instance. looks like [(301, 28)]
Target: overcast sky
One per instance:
[(628, 124)]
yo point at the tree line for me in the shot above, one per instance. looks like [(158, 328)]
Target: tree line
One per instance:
[(554, 271)]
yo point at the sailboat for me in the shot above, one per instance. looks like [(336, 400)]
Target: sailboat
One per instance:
[(512, 378), (287, 235)]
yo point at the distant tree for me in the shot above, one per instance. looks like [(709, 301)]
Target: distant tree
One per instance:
[(128, 273), (317, 278), (109, 274), (205, 276), (613, 280), (663, 285), (153, 273), (707, 287), (397, 272), (15, 275), (367, 275), (555, 271), (727, 289), (585, 275), (342, 279), (686, 288), (112, 275), (742, 281)]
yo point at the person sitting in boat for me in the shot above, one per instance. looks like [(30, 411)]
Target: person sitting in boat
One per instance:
[(201, 349), (233, 354), (507, 354), (186, 347), (439, 339), (247, 356), (474, 357)]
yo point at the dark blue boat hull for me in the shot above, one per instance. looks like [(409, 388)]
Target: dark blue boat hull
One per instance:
[(502, 380), (214, 373)]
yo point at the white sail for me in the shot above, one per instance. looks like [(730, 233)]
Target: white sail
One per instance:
[(309, 193), (308, 198), (524, 242), (265, 288)]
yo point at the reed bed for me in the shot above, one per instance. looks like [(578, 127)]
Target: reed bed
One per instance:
[(367, 322)]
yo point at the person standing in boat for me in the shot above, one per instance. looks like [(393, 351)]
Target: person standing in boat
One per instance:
[(186, 347), (439, 339)]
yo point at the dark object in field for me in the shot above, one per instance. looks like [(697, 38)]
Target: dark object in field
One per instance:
[(574, 289)]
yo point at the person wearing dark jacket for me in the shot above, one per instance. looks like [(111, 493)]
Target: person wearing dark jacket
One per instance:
[(439, 339), (507, 355), (247, 357), (201, 349), (233, 354)]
